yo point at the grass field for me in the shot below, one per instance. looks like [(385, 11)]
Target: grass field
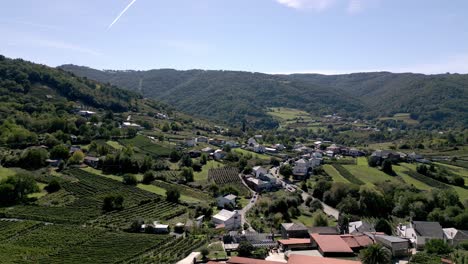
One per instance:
[(405, 117), (114, 144), (5, 172), (400, 171), (203, 175), (146, 146), (254, 155), (367, 174), (334, 173)]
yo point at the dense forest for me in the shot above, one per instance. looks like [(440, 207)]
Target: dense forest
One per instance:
[(436, 101)]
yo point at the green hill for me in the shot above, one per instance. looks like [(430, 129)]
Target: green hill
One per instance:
[(433, 101)]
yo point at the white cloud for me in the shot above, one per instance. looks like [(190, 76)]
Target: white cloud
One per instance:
[(318, 5)]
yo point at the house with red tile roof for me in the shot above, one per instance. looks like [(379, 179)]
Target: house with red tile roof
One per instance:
[(295, 244), (331, 245), (357, 242), (241, 260), (301, 259)]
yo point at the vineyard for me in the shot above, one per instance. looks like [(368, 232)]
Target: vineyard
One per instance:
[(347, 175), (146, 146), (151, 211), (228, 176), (185, 190), (172, 251)]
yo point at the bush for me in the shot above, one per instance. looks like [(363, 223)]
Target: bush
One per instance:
[(438, 247), (129, 179), (113, 202), (172, 195), (148, 177), (53, 186)]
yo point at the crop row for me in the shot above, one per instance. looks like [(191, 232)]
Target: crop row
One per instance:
[(184, 190), (347, 175), (172, 251), (9, 229), (427, 180), (224, 175), (109, 248), (150, 211), (64, 215)]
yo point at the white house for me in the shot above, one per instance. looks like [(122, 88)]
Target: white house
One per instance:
[(230, 220), (279, 147), (227, 199), (251, 142), (219, 154), (259, 170), (301, 167), (271, 150), (419, 232), (455, 236), (190, 142), (202, 139), (360, 227), (257, 148), (133, 125)]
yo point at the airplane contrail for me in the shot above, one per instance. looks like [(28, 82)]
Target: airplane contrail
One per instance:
[(121, 13)]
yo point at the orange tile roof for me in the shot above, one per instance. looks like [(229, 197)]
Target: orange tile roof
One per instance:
[(240, 260), (331, 243), (302, 259), (294, 241), (356, 241)]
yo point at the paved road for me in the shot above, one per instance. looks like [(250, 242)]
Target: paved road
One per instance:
[(291, 187), (243, 211), (189, 258)]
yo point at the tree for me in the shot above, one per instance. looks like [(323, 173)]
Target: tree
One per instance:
[(286, 170), (129, 179), (76, 158), (136, 225), (174, 156), (315, 205), (59, 152), (186, 161), (148, 177), (205, 252), (15, 188), (320, 219), (203, 159), (387, 167), (245, 249), (172, 195), (383, 225), (112, 202), (53, 186), (424, 258), (33, 158), (187, 174), (437, 247), (375, 254)]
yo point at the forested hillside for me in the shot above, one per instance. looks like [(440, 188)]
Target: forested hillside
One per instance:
[(39, 104), (228, 95), (436, 101)]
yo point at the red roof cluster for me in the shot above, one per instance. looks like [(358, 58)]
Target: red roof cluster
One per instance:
[(302, 259), (294, 241), (240, 260), (357, 241), (331, 244)]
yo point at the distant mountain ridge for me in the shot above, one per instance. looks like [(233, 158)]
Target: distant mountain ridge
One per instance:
[(436, 101)]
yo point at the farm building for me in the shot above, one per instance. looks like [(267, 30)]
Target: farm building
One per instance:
[(229, 220), (294, 230), (227, 199), (397, 245), (331, 245)]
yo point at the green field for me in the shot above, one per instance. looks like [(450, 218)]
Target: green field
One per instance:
[(334, 173), (114, 144), (367, 174), (253, 154), (5, 172), (405, 117)]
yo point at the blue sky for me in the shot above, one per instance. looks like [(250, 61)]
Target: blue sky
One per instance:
[(274, 36)]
